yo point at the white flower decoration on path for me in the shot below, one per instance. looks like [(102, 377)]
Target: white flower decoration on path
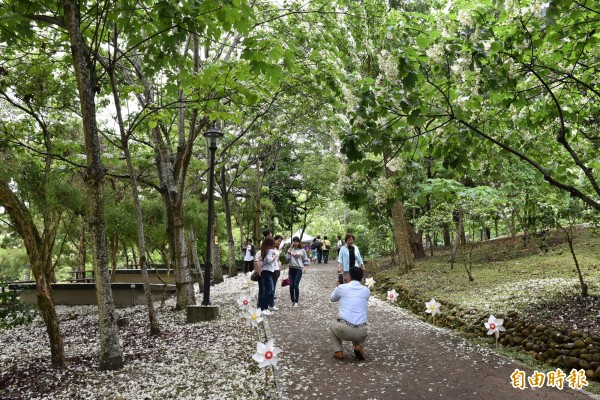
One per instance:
[(244, 302), (266, 354), (370, 282), (253, 316), (433, 307), (494, 326), (248, 283), (392, 295)]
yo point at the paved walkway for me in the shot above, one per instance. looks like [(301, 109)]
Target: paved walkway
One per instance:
[(406, 358)]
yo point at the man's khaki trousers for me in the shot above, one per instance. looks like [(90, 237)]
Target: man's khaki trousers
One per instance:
[(339, 331)]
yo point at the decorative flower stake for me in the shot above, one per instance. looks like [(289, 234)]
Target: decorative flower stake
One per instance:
[(370, 282), (266, 354), (433, 307), (253, 316), (392, 295), (248, 283), (244, 302), (494, 326)]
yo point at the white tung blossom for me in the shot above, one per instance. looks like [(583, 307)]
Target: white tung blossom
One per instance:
[(464, 17), (388, 65), (436, 52)]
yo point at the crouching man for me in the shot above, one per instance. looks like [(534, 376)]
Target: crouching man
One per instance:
[(351, 324)]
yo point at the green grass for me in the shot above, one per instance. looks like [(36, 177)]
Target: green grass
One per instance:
[(508, 276)]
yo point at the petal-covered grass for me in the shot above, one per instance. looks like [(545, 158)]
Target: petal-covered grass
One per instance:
[(542, 286), (210, 360)]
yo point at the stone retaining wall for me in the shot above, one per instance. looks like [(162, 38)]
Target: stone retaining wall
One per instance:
[(550, 345)]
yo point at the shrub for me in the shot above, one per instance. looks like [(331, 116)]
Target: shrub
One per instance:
[(12, 312)]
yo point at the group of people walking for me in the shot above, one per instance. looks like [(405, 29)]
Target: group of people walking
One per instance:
[(351, 322), (267, 265)]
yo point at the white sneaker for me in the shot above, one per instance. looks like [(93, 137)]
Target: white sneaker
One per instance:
[(265, 312), (294, 304), (273, 308)]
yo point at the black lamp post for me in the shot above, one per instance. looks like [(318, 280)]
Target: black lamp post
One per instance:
[(212, 135)]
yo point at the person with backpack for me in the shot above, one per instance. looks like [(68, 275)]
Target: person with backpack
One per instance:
[(325, 249), (319, 250), (313, 248)]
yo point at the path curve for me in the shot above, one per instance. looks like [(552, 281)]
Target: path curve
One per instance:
[(406, 358)]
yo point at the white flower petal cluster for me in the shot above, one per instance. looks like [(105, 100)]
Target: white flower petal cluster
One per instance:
[(392, 295), (370, 282), (184, 361)]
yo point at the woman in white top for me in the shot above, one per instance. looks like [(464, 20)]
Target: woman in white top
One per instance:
[(248, 256), (278, 239), (267, 251)]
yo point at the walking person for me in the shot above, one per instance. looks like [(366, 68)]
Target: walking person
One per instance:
[(338, 245), (351, 323), (313, 248), (268, 255), (349, 257), (319, 250), (297, 258), (258, 266), (278, 239), (248, 256), (326, 247)]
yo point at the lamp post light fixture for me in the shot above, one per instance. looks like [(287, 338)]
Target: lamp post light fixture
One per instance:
[(212, 135), (208, 312)]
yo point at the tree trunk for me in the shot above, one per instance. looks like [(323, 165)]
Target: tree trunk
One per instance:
[(215, 255), (416, 242), (193, 251), (404, 256), (111, 356), (447, 240), (41, 265), (82, 250), (228, 222), (584, 286), (154, 326), (429, 239), (114, 248), (459, 228), (256, 206)]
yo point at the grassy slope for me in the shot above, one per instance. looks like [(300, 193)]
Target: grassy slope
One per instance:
[(541, 287), (508, 277)]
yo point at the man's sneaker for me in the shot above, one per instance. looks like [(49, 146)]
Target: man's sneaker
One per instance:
[(273, 308), (266, 312), (294, 304)]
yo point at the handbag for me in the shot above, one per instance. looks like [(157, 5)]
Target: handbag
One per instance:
[(255, 276), (286, 281)]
